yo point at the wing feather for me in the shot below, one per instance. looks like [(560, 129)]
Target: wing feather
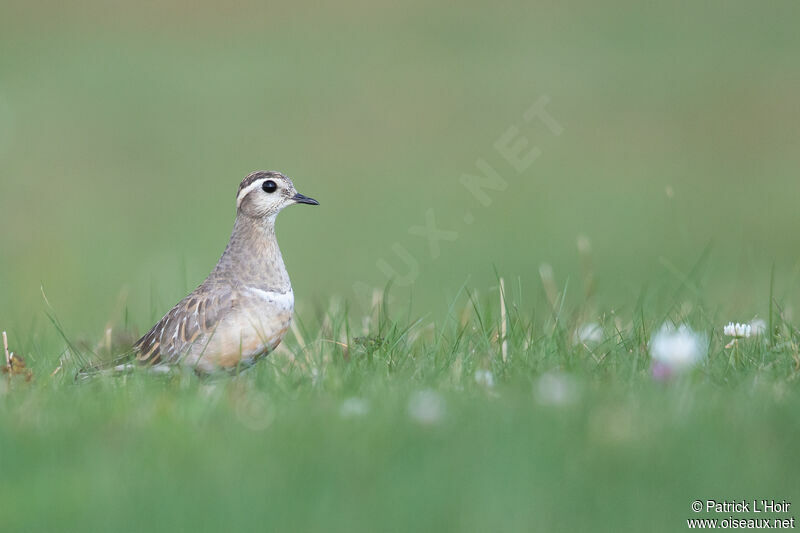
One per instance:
[(192, 320)]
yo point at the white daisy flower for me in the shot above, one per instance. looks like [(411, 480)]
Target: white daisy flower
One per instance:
[(426, 407), (675, 350), (353, 408), (484, 378), (739, 331), (556, 388), (590, 333), (315, 377), (758, 326)]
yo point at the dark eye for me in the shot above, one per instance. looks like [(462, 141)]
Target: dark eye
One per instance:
[(269, 186)]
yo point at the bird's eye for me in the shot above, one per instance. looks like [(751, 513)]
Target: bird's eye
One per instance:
[(269, 186)]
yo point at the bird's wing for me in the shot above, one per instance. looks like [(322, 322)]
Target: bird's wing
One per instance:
[(191, 322)]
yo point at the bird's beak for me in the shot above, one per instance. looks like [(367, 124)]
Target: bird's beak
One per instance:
[(301, 199)]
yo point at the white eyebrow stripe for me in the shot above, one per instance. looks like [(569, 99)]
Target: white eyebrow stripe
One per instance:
[(256, 184)]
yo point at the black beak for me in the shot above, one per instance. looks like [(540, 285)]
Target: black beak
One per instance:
[(301, 199)]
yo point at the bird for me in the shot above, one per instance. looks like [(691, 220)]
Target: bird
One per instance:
[(243, 309)]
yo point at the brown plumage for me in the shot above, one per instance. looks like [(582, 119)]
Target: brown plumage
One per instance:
[(244, 308)]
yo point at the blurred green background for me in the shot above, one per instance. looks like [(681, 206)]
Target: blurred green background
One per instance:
[(125, 129)]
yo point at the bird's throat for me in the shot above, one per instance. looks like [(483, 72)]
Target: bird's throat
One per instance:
[(252, 256)]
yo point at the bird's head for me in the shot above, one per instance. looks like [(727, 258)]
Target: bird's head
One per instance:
[(263, 194)]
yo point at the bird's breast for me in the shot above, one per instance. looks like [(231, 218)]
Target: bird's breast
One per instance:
[(273, 300), (253, 329)]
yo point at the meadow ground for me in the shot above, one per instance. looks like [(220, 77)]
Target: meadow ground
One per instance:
[(410, 426), (662, 189)]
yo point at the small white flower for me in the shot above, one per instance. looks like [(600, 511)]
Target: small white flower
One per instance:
[(555, 388), (353, 407), (484, 378), (758, 326), (209, 390), (675, 350), (584, 245), (739, 331), (590, 333), (426, 407)]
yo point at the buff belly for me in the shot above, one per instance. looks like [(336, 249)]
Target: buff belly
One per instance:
[(244, 336)]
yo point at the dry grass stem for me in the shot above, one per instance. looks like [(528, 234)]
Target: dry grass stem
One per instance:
[(5, 348), (503, 322)]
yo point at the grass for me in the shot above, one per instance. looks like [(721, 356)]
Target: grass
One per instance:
[(378, 423)]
